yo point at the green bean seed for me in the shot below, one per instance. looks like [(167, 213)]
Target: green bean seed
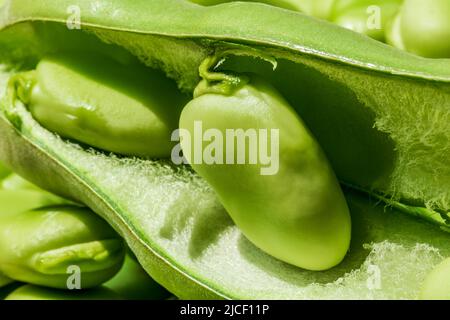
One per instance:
[(124, 109), (13, 202), (4, 172), (133, 283), (437, 284), (423, 28), (298, 214), (30, 292), (59, 247), (16, 182), (365, 16), (4, 280)]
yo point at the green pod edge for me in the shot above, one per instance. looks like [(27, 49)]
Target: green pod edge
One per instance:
[(350, 90), (151, 203), (24, 149)]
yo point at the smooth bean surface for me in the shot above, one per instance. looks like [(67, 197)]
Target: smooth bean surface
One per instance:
[(299, 214), (39, 246), (13, 202), (133, 283), (16, 182), (95, 100), (437, 284), (3, 171), (201, 253), (31, 292), (423, 28)]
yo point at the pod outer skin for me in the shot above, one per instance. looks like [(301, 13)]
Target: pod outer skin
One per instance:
[(182, 19), (299, 215)]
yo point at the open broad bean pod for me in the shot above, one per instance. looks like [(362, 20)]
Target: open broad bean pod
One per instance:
[(364, 128)]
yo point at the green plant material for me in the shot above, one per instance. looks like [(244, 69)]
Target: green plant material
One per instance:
[(41, 246), (16, 182), (18, 195), (365, 16), (380, 115), (97, 101), (290, 221), (13, 202), (368, 17), (7, 289), (373, 113), (4, 172), (133, 283), (419, 27), (30, 292), (437, 283), (5, 281), (423, 28), (186, 241), (316, 7)]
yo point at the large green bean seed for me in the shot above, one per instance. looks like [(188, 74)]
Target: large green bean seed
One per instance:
[(4, 172), (365, 16), (13, 202), (42, 246), (437, 284), (30, 292), (4, 280), (423, 28), (124, 109), (133, 283), (297, 213), (16, 182)]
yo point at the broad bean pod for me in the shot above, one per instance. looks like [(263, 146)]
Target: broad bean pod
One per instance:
[(369, 107)]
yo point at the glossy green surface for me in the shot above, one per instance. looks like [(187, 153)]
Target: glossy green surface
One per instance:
[(182, 19), (185, 240), (368, 17), (416, 26), (17, 201), (30, 292), (40, 246), (18, 195), (16, 182), (4, 172), (5, 281), (97, 101), (365, 16), (423, 28), (378, 113), (437, 283), (133, 283), (373, 141), (293, 209)]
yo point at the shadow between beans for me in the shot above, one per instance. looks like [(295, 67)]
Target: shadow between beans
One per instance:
[(6, 290)]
